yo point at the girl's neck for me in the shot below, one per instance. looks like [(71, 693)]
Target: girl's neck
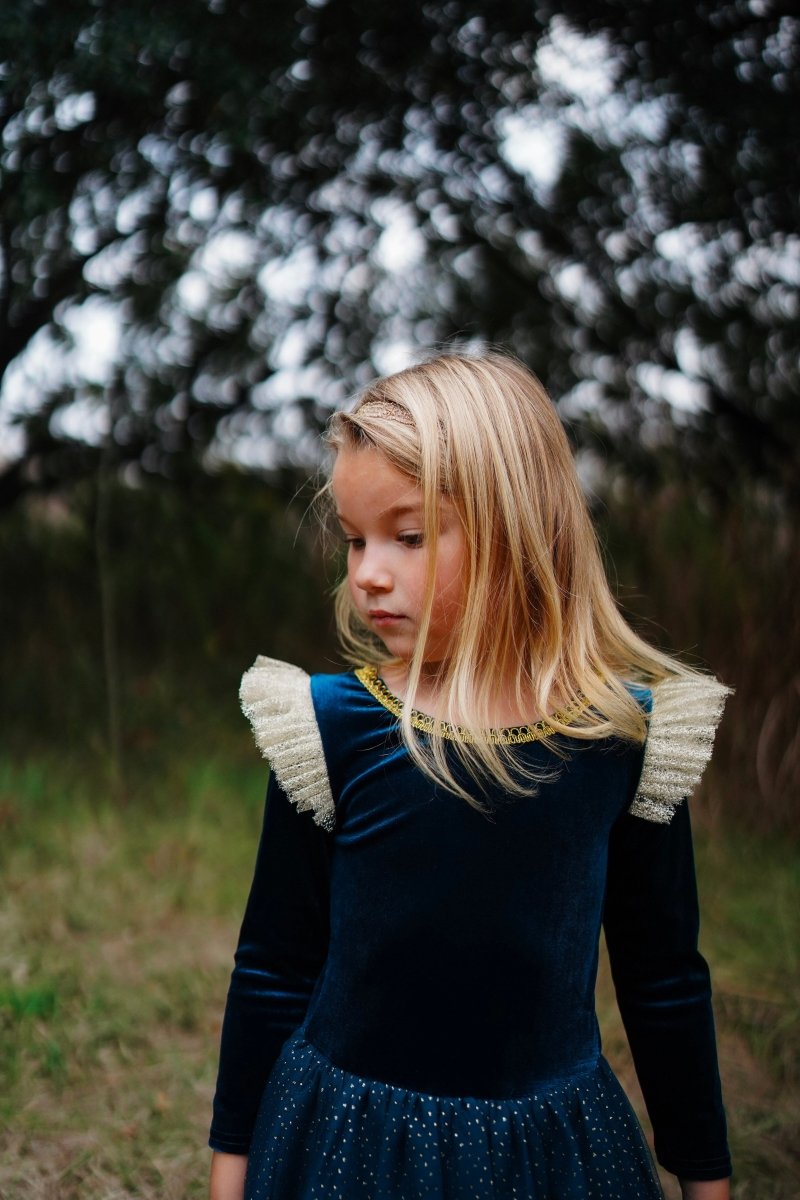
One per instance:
[(504, 710), (429, 689)]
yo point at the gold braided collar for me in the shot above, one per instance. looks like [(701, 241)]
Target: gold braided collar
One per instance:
[(513, 735)]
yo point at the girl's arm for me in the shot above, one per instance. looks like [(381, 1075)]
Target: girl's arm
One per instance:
[(227, 1176), (282, 947), (664, 995), (716, 1189)]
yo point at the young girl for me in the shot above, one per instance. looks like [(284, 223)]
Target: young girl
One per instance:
[(411, 1015)]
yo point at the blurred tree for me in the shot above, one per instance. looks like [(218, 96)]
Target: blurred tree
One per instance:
[(278, 202)]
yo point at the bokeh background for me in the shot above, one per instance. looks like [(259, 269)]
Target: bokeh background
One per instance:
[(219, 219)]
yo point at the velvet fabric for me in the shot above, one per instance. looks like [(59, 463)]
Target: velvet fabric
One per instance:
[(427, 947)]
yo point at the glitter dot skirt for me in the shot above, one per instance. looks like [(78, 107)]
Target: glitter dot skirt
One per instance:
[(326, 1134)]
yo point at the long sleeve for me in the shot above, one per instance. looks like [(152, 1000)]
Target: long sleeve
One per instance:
[(281, 950), (663, 991)]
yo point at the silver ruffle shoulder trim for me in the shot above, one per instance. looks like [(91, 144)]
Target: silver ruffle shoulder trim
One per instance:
[(276, 699), (685, 716)]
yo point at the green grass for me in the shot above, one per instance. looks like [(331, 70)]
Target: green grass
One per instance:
[(117, 926), (117, 929)]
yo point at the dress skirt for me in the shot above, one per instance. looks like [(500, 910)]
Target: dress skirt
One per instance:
[(323, 1133)]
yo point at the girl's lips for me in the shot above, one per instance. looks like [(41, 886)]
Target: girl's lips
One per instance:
[(379, 617)]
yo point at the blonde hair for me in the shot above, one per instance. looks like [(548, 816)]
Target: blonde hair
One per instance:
[(483, 431)]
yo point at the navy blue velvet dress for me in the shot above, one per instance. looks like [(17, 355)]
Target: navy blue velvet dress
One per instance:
[(411, 1014)]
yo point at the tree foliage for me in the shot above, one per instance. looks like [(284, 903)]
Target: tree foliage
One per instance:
[(279, 201)]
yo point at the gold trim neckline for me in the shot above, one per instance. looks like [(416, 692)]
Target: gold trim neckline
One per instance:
[(513, 735)]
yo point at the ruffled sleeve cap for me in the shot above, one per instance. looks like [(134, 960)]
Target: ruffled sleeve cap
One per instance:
[(276, 699), (683, 721)]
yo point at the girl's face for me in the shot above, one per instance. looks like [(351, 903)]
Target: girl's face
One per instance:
[(380, 510)]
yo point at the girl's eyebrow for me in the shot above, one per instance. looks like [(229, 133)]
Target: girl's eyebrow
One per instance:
[(400, 510), (394, 510)]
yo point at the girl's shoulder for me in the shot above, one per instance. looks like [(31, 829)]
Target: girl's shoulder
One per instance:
[(683, 715), (306, 725), (276, 698)]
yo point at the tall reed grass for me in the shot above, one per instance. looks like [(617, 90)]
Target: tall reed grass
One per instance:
[(199, 581)]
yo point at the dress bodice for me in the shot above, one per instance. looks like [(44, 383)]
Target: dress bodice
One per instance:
[(463, 948)]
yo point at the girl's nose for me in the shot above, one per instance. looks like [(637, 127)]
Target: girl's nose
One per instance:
[(371, 573)]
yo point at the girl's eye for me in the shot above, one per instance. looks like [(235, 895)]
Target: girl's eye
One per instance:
[(412, 539), (354, 543)]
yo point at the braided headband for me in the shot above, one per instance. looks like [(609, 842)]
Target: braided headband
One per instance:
[(388, 409)]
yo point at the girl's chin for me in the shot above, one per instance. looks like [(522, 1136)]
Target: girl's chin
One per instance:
[(399, 648)]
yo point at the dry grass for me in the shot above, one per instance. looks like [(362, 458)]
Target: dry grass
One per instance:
[(116, 933), (750, 893)]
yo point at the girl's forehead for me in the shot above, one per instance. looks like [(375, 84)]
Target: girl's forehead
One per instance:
[(365, 482), (366, 472)]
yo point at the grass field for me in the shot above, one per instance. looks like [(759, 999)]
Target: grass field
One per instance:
[(117, 926)]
